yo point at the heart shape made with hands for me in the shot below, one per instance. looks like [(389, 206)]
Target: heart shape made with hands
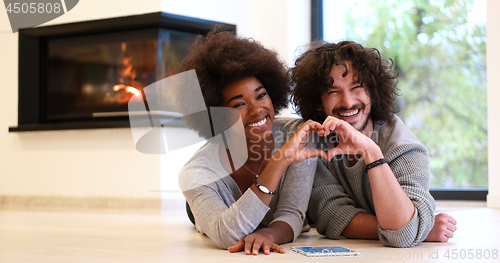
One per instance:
[(347, 141), (294, 149)]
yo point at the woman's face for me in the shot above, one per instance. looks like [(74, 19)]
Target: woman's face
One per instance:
[(250, 98)]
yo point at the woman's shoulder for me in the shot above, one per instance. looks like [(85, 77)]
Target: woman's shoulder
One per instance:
[(201, 169)]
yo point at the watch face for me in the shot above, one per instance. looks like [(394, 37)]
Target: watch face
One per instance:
[(264, 189)]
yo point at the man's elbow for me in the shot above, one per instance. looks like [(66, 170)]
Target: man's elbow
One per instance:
[(398, 222), (399, 241), (393, 225), (406, 236)]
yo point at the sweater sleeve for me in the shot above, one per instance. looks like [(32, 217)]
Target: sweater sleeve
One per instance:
[(296, 183), (294, 194), (410, 165), (223, 224), (330, 207), (211, 197)]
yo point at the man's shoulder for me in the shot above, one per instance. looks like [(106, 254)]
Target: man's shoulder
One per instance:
[(287, 123), (283, 128), (393, 134)]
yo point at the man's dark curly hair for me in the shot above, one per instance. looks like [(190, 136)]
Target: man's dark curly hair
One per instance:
[(220, 58), (310, 78)]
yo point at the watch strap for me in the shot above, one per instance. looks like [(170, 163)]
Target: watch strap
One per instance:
[(263, 188)]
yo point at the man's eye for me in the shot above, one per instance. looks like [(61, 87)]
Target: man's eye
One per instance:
[(262, 95), (332, 92)]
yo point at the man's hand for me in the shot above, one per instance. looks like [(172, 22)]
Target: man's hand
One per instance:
[(256, 241), (444, 226), (351, 141)]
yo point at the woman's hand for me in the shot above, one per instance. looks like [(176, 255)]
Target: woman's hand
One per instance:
[(252, 243), (294, 150)]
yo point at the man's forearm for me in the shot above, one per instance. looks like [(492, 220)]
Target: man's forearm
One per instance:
[(362, 226), (392, 206)]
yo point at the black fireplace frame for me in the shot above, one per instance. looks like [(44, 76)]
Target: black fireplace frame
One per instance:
[(33, 57)]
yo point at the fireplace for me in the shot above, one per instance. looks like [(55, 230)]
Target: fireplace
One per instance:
[(83, 75)]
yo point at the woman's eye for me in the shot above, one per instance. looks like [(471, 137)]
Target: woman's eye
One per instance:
[(262, 95), (332, 92), (238, 105)]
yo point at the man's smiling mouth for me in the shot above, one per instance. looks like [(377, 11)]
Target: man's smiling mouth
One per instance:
[(349, 114)]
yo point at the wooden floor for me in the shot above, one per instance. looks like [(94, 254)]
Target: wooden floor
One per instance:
[(168, 236)]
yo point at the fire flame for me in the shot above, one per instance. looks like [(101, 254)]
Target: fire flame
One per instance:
[(129, 90), (126, 77), (133, 90)]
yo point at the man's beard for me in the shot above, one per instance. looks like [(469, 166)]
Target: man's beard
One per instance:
[(368, 116), (362, 108)]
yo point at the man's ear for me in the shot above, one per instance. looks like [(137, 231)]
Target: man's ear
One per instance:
[(320, 110)]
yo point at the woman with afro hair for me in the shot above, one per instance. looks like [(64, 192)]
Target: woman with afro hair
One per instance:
[(262, 202)]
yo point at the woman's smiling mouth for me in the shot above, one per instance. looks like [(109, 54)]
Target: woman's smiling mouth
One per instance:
[(258, 123)]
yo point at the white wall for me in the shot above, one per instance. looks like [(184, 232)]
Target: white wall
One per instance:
[(493, 80), (282, 25), (69, 163), (104, 162)]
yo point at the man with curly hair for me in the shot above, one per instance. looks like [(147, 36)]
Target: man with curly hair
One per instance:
[(376, 184)]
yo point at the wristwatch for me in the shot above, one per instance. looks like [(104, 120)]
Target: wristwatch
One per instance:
[(263, 188)]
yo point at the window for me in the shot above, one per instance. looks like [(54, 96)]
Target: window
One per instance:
[(439, 48)]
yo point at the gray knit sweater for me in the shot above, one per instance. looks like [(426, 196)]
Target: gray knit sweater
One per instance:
[(225, 214), (340, 192)]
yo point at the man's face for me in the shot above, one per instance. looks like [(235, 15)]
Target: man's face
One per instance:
[(347, 100)]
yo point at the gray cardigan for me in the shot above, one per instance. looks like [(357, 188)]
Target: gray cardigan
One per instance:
[(340, 192), (226, 215)]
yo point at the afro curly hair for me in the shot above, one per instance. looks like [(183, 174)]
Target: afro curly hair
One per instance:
[(221, 58)]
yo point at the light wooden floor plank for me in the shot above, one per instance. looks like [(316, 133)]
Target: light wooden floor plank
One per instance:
[(168, 236)]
